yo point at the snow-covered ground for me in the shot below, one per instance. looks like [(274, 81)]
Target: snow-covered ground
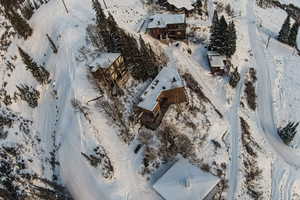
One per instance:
[(68, 133)]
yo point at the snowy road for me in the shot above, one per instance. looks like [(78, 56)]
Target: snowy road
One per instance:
[(265, 115), (285, 167)]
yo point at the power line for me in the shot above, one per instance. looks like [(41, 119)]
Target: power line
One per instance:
[(63, 1), (105, 4)]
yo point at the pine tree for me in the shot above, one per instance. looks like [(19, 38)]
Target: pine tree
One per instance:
[(231, 38), (101, 23), (288, 132), (215, 19), (292, 39), (214, 29), (219, 37), (114, 43), (38, 72), (285, 30), (148, 60), (100, 16)]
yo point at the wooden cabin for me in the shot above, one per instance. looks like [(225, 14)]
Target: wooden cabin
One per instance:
[(217, 63), (111, 69), (166, 89), (167, 26)]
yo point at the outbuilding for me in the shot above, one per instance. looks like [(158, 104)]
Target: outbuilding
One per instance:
[(167, 26), (184, 181), (218, 63)]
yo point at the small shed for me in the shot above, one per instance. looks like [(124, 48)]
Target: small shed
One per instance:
[(184, 181), (167, 26), (218, 63), (109, 67), (167, 88)]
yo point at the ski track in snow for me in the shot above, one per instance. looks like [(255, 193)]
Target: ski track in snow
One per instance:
[(83, 181), (235, 134)]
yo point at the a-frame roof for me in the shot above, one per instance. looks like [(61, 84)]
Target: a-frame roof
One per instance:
[(183, 181)]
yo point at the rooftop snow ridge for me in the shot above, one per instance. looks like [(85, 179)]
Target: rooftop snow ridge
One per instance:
[(167, 79), (162, 20)]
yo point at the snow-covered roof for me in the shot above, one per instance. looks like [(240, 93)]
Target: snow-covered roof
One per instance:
[(185, 181), (182, 4), (162, 20), (215, 59), (103, 60), (167, 79)]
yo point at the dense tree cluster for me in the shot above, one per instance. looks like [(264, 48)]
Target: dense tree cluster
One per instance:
[(10, 11), (265, 3), (223, 36), (15, 10), (288, 132), (288, 34), (38, 72), (17, 183), (138, 56)]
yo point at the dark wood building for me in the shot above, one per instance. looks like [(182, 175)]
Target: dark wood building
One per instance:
[(111, 69), (167, 26), (166, 89), (218, 64)]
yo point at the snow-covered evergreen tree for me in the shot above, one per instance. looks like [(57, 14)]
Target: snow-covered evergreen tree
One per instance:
[(288, 132), (38, 72)]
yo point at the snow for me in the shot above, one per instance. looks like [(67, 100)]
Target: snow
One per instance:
[(162, 20), (185, 181), (182, 4), (277, 91), (168, 78), (216, 60), (103, 60)]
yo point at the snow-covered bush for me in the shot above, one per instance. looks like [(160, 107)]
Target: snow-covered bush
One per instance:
[(29, 94), (100, 158)]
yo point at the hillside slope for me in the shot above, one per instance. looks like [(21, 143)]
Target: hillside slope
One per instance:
[(76, 141)]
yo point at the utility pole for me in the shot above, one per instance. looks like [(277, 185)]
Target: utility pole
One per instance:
[(63, 1), (105, 4), (267, 45)]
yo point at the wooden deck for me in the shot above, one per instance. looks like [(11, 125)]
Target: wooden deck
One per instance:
[(153, 122)]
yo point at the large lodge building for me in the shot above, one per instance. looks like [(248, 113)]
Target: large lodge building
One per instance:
[(166, 89)]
